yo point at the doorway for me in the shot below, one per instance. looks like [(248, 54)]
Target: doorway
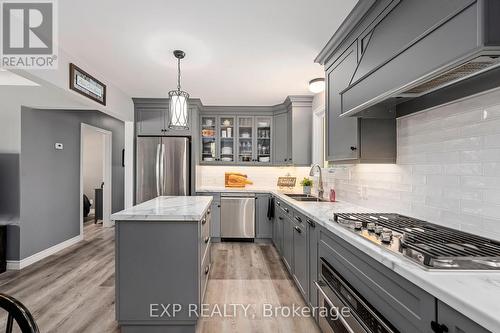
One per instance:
[(95, 176)]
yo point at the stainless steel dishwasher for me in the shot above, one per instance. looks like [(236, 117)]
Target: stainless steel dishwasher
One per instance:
[(237, 216)]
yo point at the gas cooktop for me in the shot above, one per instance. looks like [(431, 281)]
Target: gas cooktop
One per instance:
[(429, 245)]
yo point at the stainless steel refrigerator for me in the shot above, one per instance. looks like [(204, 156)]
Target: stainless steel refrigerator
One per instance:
[(162, 167)]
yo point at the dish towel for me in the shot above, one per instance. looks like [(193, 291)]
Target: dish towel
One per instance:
[(270, 209)]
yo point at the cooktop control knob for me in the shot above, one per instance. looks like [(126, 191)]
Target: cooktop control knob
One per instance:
[(358, 225), (370, 226), (386, 235), (378, 229)]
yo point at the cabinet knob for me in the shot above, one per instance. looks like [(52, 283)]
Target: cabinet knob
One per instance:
[(298, 219), (286, 209), (218, 206), (208, 211), (298, 230), (354, 148), (204, 221), (311, 223), (280, 217), (286, 159)]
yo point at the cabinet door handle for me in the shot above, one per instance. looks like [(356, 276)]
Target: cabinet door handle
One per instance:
[(203, 221), (298, 219), (208, 211), (207, 269), (353, 148), (206, 240), (311, 223), (298, 230), (280, 217), (438, 328), (286, 210), (278, 203)]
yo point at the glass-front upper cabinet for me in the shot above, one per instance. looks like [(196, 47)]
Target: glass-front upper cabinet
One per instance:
[(264, 135), (245, 139), (208, 138), (226, 138)]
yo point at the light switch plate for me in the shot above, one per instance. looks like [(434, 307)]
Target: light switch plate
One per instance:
[(59, 146)]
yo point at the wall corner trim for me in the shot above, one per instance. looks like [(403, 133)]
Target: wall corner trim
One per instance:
[(20, 264)]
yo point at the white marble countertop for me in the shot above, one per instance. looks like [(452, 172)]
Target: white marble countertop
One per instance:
[(475, 294), (167, 209)]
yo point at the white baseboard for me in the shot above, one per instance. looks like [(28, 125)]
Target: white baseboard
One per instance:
[(20, 264)]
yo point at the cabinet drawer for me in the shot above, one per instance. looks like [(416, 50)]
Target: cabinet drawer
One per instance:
[(409, 308), (284, 208)]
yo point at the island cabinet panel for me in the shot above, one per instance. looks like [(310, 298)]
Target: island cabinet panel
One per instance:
[(452, 321), (214, 215), (159, 264), (406, 306)]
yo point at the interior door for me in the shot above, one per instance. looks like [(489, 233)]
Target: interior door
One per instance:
[(147, 168)]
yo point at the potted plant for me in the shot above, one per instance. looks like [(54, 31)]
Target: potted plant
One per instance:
[(306, 185)]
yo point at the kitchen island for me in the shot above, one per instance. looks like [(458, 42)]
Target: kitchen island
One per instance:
[(163, 261)]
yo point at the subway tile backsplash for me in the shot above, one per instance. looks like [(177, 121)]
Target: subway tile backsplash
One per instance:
[(448, 169)]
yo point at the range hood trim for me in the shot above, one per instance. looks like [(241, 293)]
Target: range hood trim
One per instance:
[(399, 92)]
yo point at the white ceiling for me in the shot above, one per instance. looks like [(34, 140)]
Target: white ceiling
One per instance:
[(239, 52)]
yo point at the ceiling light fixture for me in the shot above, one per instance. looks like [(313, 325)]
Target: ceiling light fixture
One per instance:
[(317, 85), (178, 100)]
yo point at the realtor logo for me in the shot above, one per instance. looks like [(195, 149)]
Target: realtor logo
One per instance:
[(29, 32)]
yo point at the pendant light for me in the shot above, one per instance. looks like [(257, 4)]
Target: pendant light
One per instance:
[(178, 100)]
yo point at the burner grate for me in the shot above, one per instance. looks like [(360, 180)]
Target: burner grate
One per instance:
[(432, 240)]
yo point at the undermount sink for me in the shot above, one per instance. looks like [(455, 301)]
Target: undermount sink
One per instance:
[(305, 197)]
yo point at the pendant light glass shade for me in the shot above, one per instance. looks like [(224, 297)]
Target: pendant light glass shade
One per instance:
[(178, 109), (179, 115)]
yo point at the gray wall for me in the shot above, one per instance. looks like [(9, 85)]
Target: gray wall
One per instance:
[(50, 179), (9, 200)]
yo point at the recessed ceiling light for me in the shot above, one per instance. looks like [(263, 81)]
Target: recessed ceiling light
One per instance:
[(317, 85)]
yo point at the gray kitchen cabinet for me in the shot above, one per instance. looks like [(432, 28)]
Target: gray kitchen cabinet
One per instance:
[(264, 227), (354, 140), (281, 140), (452, 321), (301, 255), (342, 134), (288, 234), (152, 117), (173, 265), (278, 230), (230, 138), (409, 308), (151, 121)]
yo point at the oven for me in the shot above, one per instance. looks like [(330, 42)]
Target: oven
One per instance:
[(342, 309)]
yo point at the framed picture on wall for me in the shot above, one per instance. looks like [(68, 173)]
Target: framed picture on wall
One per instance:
[(86, 85)]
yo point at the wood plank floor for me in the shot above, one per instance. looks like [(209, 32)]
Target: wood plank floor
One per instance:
[(73, 290)]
